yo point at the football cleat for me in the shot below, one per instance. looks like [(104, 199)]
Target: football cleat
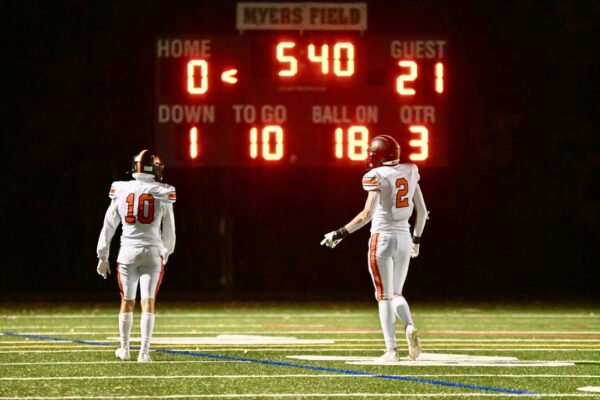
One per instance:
[(412, 338), (122, 353), (388, 356), (144, 357), (383, 150), (146, 163)]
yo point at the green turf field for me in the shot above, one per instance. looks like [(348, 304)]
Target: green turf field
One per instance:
[(300, 351)]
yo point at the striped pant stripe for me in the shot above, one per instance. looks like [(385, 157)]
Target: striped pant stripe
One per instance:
[(374, 267)]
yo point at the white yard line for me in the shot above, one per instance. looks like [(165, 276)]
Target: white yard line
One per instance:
[(236, 316), (4, 342), (426, 337), (170, 377), (319, 332), (305, 395), (106, 349), (278, 376), (157, 332), (71, 349), (429, 340), (112, 326), (211, 343), (492, 315), (290, 315), (30, 364)]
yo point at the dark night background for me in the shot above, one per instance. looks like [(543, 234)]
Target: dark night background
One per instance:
[(515, 216)]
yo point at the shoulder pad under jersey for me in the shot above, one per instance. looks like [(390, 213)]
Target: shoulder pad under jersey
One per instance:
[(370, 180), (114, 189), (164, 192)]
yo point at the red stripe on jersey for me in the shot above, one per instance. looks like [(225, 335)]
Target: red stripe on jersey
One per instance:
[(160, 278), (120, 282), (112, 190), (374, 267), (369, 181), (172, 196)]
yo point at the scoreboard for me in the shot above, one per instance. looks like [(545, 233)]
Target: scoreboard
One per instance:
[(310, 99)]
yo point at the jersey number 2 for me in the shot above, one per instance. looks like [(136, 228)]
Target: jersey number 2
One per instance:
[(402, 185), (145, 212)]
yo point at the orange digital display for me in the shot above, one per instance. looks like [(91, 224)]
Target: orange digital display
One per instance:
[(299, 100)]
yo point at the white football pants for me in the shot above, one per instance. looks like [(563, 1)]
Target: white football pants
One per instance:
[(143, 265), (389, 256)]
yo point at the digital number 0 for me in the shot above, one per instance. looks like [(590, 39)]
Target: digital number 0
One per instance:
[(192, 66)]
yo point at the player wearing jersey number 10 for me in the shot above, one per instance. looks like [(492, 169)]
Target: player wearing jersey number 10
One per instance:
[(144, 205), (393, 193)]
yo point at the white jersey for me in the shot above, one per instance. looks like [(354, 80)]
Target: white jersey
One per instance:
[(142, 205), (397, 185)]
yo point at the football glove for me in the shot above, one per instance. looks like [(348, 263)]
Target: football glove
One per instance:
[(165, 256), (103, 269), (332, 238), (329, 241), (414, 251), (416, 241)]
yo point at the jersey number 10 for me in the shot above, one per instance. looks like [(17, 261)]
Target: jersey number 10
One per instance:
[(145, 211)]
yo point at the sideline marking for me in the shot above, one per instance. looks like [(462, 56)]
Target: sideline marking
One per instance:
[(439, 360), (111, 362), (590, 389), (230, 339), (300, 366)]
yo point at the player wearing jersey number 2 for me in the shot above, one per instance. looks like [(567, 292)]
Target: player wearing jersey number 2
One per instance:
[(144, 206), (393, 193)]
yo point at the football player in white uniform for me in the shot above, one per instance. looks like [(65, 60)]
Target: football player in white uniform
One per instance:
[(142, 205), (393, 193)]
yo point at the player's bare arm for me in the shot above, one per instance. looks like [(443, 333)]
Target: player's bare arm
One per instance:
[(332, 238), (422, 215), (365, 216), (112, 220), (168, 231)]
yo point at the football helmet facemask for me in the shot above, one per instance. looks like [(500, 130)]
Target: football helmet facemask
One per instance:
[(383, 150), (147, 163)]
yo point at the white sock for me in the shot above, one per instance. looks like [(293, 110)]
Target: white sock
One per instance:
[(402, 311), (125, 324), (146, 327), (388, 323)]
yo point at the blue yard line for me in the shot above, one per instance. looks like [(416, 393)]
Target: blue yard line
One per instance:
[(290, 365)]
